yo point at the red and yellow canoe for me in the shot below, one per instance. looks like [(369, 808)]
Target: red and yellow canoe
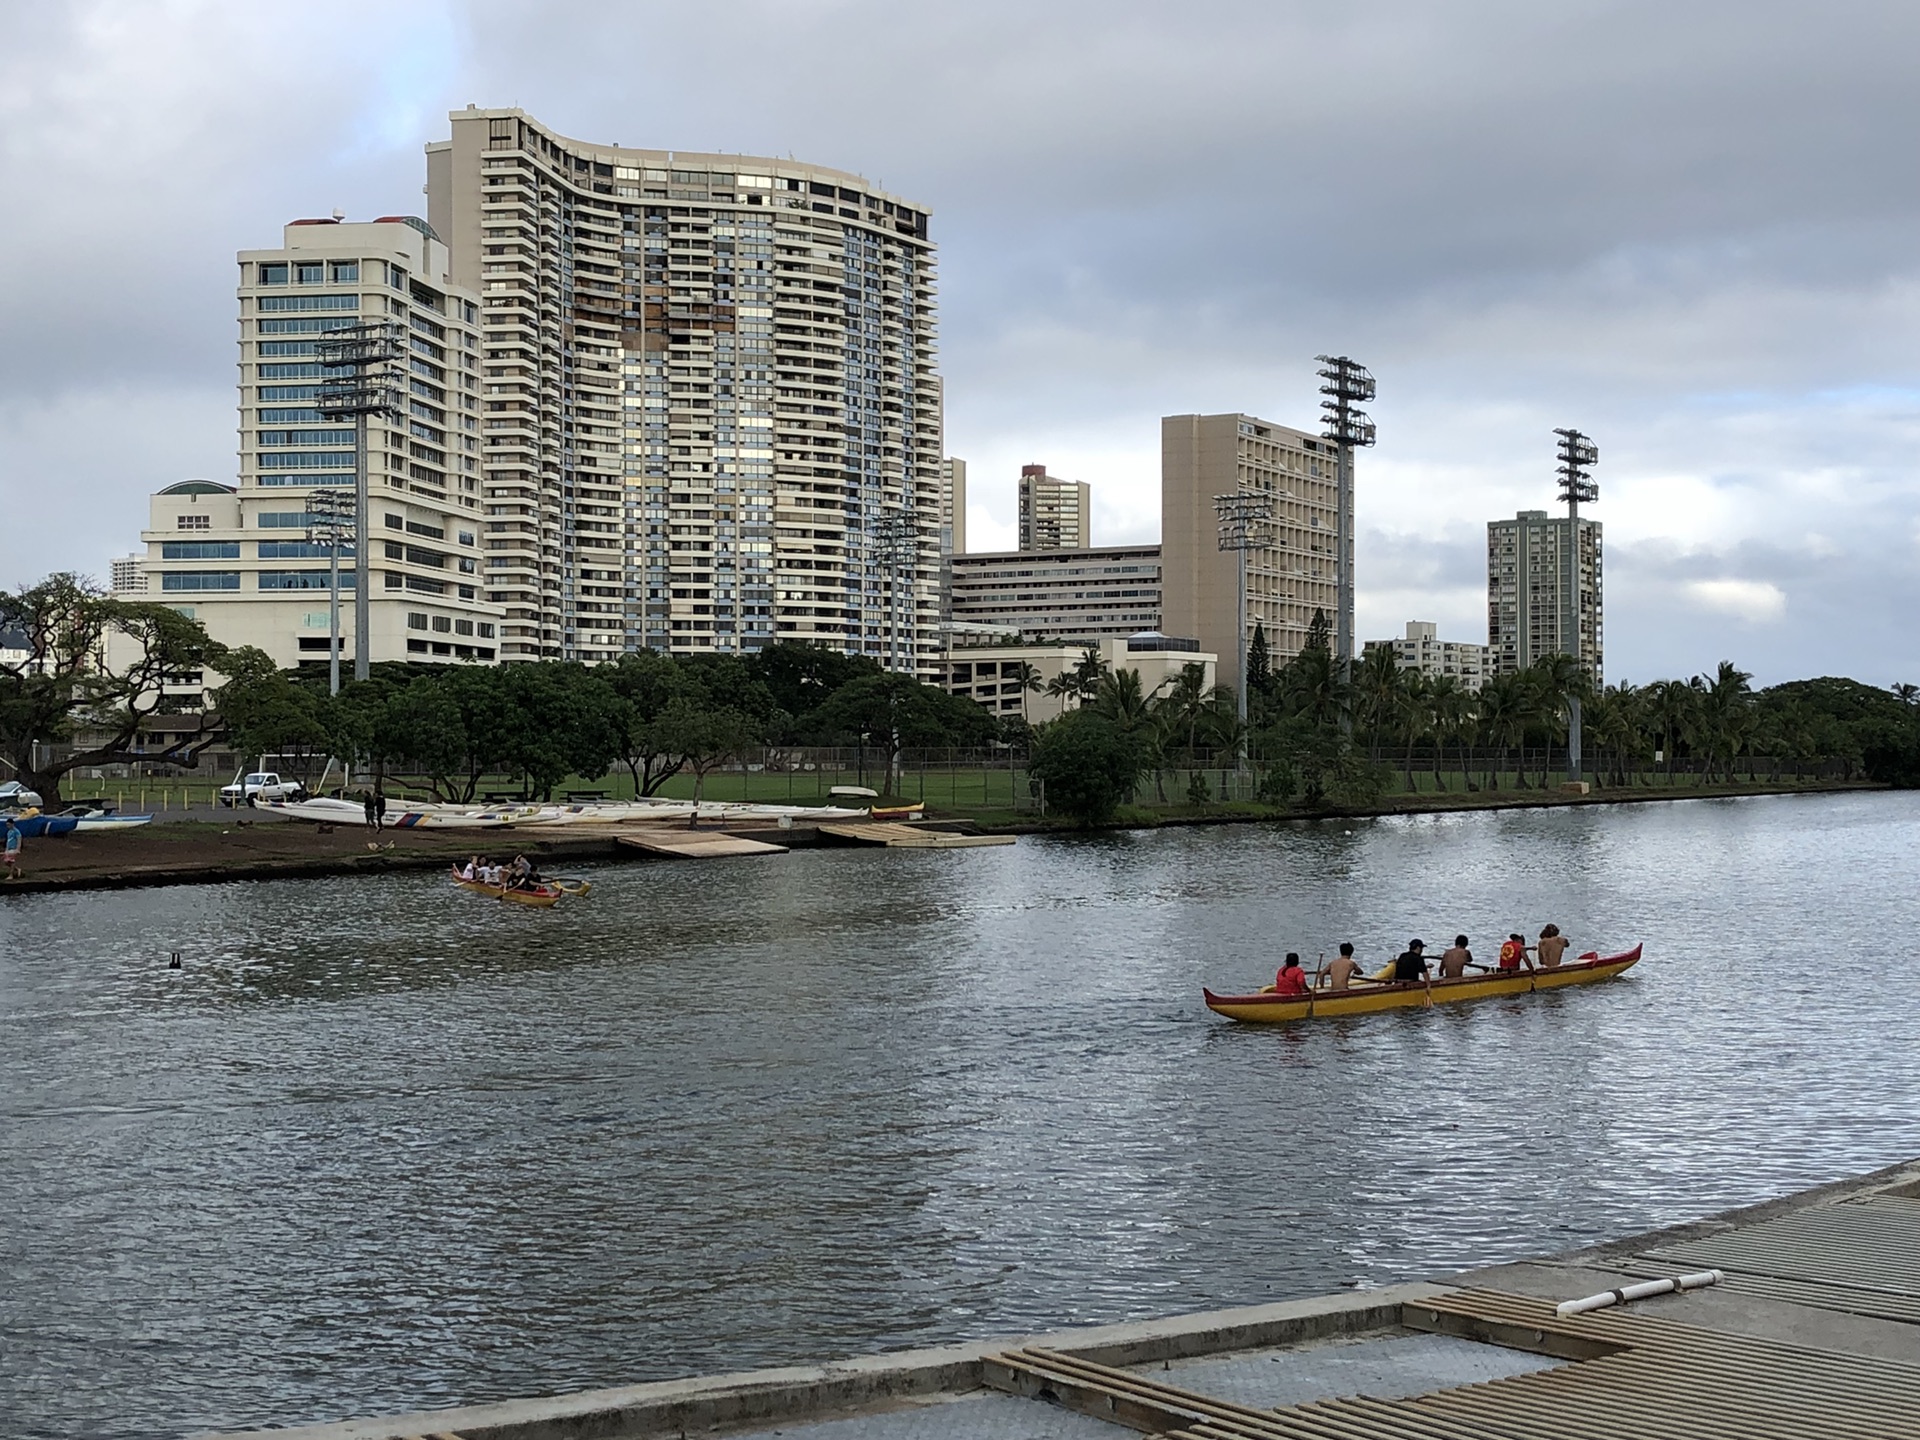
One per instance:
[(1366, 998), (538, 895)]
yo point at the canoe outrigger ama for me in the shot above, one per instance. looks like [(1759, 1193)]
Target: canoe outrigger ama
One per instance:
[(1365, 999)]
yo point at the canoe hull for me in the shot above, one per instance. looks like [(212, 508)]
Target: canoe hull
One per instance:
[(542, 898), (1371, 999)]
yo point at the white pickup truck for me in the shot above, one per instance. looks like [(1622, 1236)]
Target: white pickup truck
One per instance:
[(261, 785)]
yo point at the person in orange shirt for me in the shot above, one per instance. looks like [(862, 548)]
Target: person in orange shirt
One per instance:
[(1513, 953), (1291, 979)]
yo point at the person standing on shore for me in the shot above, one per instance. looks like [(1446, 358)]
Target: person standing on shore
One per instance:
[(379, 808), (366, 805), (13, 850)]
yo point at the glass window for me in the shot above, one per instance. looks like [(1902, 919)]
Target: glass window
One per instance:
[(310, 272), (416, 620), (299, 550), (486, 630), (281, 520), (200, 580), (346, 272), (273, 274), (200, 550), (301, 580)]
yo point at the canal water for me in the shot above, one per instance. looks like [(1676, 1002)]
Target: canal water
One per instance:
[(381, 1145)]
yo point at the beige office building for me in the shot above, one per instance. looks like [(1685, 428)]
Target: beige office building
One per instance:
[(1055, 514), (1541, 575), (1422, 650), (1290, 572), (239, 559), (713, 409), (991, 673), (1072, 595)]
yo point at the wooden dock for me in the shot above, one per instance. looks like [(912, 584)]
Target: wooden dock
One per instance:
[(898, 835), (681, 844)]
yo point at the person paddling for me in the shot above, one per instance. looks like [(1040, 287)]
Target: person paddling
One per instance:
[(1345, 969), (1457, 960), (1513, 954), (1412, 962), (1291, 979), (1552, 946)]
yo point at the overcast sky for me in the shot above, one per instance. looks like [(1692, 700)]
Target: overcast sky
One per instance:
[(1692, 231)]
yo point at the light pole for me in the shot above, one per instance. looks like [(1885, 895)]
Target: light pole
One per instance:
[(366, 357), (1243, 518), (1577, 455), (1346, 384), (896, 547), (330, 522)]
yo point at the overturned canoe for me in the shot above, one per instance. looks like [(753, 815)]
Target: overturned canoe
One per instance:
[(1365, 999)]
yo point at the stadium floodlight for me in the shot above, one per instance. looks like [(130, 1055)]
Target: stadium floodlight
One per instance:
[(1578, 455), (1243, 520), (331, 522), (1346, 384), (365, 359)]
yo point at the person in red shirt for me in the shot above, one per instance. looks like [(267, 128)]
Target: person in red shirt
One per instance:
[(1291, 979), (1513, 953)]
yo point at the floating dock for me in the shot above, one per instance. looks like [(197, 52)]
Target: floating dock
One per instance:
[(683, 844), (1813, 1332), (899, 835)]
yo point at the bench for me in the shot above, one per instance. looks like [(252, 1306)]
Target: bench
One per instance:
[(574, 797), (500, 797)]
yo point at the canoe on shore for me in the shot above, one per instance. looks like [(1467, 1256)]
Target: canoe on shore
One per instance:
[(537, 895), (1365, 999)]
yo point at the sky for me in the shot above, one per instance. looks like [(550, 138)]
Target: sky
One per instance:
[(1691, 231)]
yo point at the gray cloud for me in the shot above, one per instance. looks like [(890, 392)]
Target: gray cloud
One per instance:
[(1689, 230)]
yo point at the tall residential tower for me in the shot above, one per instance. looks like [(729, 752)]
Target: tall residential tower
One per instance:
[(1055, 514), (712, 405), (1290, 567), (1543, 571)]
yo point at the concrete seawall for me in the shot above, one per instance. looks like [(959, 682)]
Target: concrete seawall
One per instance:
[(1793, 1299)]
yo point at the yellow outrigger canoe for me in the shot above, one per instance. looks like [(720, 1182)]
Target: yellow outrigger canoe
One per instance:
[(1365, 999)]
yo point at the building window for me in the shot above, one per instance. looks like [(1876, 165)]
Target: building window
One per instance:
[(443, 624), (416, 620), (301, 580), (200, 550), (486, 630), (193, 522), (346, 272), (273, 274), (200, 580), (310, 272)]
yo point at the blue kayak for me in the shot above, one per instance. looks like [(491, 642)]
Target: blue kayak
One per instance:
[(31, 825)]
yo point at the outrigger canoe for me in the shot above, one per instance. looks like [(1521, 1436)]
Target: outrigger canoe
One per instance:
[(1365, 999), (539, 895)]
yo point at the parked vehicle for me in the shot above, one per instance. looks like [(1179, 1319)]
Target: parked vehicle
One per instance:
[(261, 785), (15, 796)]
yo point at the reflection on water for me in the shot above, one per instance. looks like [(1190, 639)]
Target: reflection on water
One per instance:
[(382, 1145)]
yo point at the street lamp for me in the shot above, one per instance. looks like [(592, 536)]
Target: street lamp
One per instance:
[(1243, 519), (1346, 384), (331, 522), (367, 381), (1578, 455)]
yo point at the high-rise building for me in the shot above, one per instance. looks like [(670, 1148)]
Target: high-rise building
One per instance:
[(1290, 567), (1423, 650), (1543, 577), (1073, 595), (713, 412), (1055, 514), (239, 559), (129, 575), (953, 506)]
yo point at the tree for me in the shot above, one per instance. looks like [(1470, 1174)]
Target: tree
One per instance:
[(1377, 685), (643, 684), (706, 735), (1670, 708), (1085, 766), (268, 712), (898, 711), (1415, 710), (1447, 709), (1027, 675), (1259, 665), (799, 677), (1505, 709), (95, 674)]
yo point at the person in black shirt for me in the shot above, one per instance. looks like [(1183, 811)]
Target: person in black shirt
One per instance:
[(1412, 962)]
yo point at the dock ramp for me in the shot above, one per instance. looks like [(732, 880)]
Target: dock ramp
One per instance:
[(894, 834), (697, 844)]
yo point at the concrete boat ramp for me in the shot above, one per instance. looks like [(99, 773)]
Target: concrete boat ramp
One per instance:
[(1813, 1332)]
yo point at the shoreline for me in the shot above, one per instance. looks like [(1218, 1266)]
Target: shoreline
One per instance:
[(1745, 1323), (235, 849)]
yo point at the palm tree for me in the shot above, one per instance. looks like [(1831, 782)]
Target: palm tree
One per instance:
[(1377, 683), (1446, 705), (1088, 673), (1906, 694), (1121, 700), (1723, 713), (1310, 686), (1557, 682), (1187, 700), (1027, 675), (1506, 707), (1670, 707), (1415, 710)]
